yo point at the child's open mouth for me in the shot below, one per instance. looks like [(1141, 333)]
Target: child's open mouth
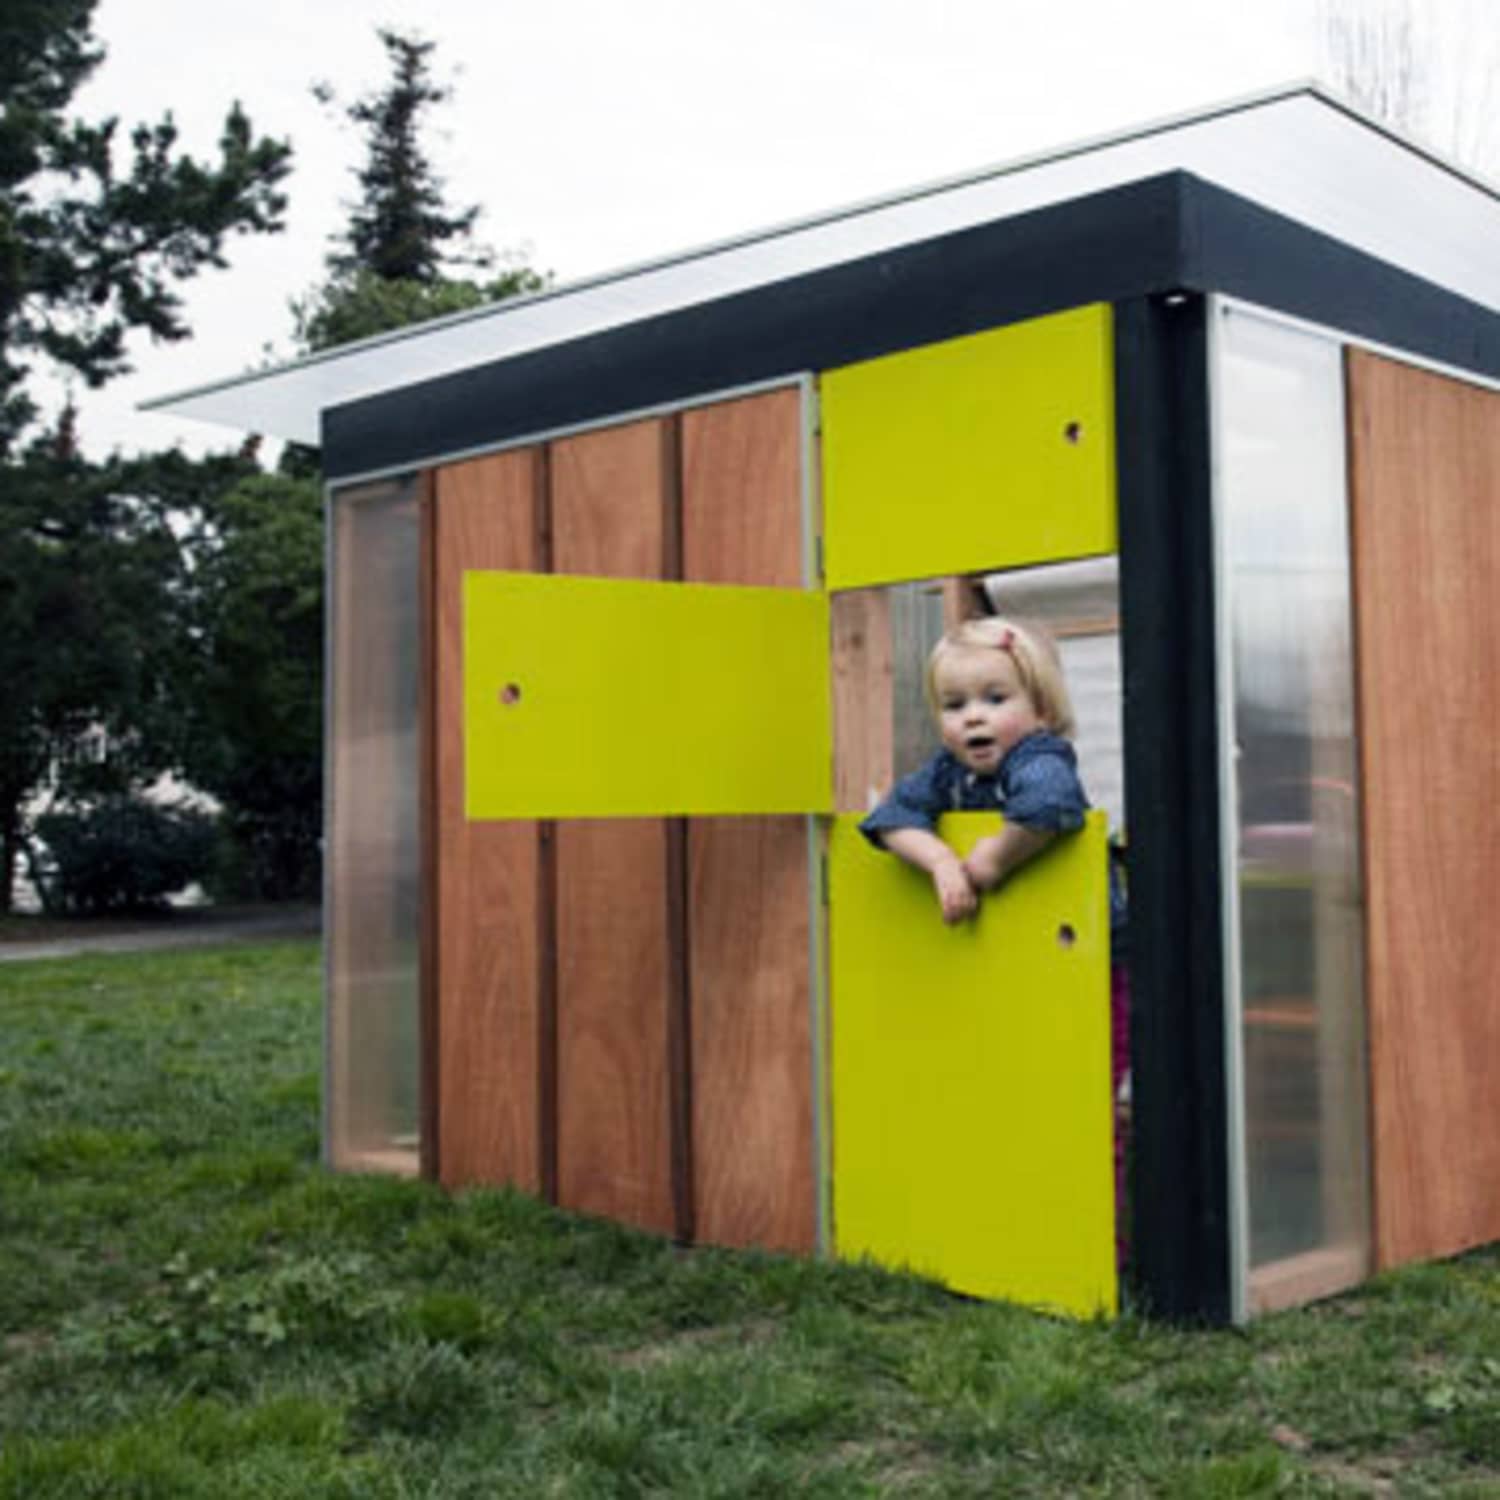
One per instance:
[(980, 746)]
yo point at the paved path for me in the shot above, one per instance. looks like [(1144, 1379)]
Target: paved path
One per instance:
[(297, 921)]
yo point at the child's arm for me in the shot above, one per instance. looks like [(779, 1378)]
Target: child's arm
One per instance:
[(1043, 798), (950, 875), (993, 860), (905, 824)]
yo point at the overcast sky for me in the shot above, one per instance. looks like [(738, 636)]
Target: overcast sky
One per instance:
[(596, 134)]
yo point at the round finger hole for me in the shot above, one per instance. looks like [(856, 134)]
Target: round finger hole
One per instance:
[(510, 694), (1066, 937), (1073, 432)]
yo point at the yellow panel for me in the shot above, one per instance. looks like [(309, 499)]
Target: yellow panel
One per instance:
[(607, 697), (970, 1072), (985, 452)]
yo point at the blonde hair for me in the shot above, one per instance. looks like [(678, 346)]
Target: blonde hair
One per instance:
[(1034, 653)]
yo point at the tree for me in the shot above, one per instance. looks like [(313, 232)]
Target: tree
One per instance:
[(90, 251), (253, 711), (392, 264)]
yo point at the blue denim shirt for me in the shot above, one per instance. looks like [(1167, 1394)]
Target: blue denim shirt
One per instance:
[(1035, 785)]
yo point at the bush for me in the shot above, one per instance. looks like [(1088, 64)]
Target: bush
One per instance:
[(121, 854)]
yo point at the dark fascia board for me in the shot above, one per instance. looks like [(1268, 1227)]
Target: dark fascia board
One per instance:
[(1166, 233), (1122, 242), (1233, 246)]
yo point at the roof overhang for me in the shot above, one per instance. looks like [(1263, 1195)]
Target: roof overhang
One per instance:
[(1296, 152)]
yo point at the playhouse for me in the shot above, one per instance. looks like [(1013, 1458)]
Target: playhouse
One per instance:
[(629, 587)]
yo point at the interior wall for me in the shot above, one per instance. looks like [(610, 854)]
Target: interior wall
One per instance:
[(1425, 477)]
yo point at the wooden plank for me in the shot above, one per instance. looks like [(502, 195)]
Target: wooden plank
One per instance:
[(754, 1178), (742, 491), (863, 681), (1425, 481), (614, 1123), (487, 962), (748, 915)]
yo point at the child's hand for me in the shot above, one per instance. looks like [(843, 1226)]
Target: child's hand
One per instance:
[(955, 892)]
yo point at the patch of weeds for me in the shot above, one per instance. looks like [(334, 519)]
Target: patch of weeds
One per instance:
[(419, 1391), (204, 1317)]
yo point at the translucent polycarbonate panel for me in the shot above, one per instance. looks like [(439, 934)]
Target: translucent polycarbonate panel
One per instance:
[(1298, 154), (374, 832), (1297, 900)]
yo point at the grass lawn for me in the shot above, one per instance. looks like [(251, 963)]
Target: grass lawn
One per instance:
[(190, 1306)]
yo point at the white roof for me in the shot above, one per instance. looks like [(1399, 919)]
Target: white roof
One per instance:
[(1296, 151)]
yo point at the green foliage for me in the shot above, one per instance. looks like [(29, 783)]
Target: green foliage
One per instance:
[(400, 228), (90, 251), (121, 853), (97, 227), (250, 702), (402, 240), (362, 304)]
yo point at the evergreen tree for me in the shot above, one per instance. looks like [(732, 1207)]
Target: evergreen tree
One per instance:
[(90, 250), (400, 229), (393, 262)]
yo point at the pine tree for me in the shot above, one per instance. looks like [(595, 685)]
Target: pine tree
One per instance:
[(395, 258)]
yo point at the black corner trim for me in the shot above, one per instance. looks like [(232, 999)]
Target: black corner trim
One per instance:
[(1179, 1171)]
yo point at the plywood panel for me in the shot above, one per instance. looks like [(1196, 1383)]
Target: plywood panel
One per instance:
[(1425, 476), (742, 491), (614, 980), (990, 451), (595, 697), (748, 909), (971, 1100), (486, 971)]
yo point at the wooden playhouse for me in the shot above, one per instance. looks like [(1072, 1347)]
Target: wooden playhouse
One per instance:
[(629, 586)]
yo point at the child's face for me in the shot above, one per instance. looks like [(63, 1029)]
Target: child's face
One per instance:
[(982, 707)]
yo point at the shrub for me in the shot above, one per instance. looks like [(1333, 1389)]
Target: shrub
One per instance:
[(121, 853)]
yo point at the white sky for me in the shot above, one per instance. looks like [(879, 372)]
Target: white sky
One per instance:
[(596, 134)]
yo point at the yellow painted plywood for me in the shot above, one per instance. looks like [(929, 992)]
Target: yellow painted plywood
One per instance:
[(991, 451), (606, 697), (972, 1116)]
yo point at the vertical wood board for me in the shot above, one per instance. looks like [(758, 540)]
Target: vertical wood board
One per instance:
[(748, 906), (1425, 479), (972, 1118), (486, 970), (614, 1115)]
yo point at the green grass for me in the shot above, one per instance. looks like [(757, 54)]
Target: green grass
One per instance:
[(190, 1306)]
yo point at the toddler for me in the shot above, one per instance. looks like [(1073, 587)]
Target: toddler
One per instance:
[(996, 689)]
